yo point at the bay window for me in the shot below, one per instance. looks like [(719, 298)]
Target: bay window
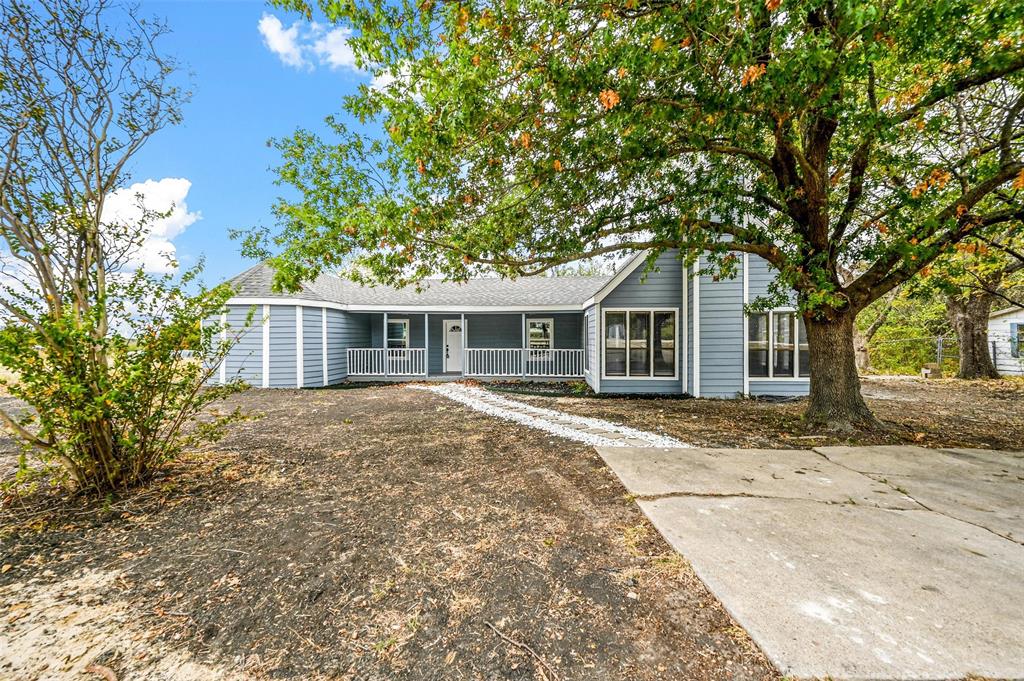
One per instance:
[(640, 343), (777, 345)]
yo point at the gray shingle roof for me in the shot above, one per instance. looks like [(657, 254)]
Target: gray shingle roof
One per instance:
[(524, 292)]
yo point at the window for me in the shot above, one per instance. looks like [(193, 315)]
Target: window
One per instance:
[(757, 345), (639, 347), (640, 343), (615, 343), (777, 345), (783, 345), (803, 349), (664, 343), (398, 333), (540, 333)]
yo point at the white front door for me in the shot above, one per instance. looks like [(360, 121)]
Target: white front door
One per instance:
[(452, 345)]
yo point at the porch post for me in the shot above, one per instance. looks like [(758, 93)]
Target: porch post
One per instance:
[(426, 344), (522, 352), (384, 342), (462, 321)]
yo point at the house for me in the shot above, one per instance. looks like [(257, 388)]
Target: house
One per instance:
[(1006, 338), (663, 330)]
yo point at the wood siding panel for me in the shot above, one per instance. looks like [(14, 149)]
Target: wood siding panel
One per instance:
[(312, 347), (282, 346), (721, 336), (659, 287), (245, 359), (787, 388)]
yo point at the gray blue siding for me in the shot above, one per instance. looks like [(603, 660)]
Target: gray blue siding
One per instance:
[(786, 388), (659, 287), (759, 278), (282, 346), (721, 336), (494, 330), (245, 359), (376, 322), (344, 330), (312, 347)]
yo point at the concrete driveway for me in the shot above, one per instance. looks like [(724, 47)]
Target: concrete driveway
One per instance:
[(852, 562)]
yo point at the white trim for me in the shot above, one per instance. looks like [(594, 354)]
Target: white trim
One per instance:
[(408, 331), (596, 371), (771, 348), (418, 309), (300, 362), (743, 311), (551, 339), (779, 379), (522, 343), (224, 339), (323, 341), (675, 346), (426, 343), (696, 328), (384, 341), (266, 347), (686, 332), (627, 269), (1005, 311)]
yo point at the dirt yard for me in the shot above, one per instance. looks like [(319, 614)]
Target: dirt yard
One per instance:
[(931, 413), (373, 533)]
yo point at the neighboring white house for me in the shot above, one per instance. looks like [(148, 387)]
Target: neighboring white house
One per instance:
[(1006, 336)]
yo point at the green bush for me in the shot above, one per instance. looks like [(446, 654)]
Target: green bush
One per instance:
[(108, 410)]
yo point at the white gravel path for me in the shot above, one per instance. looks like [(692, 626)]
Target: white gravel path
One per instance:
[(595, 432)]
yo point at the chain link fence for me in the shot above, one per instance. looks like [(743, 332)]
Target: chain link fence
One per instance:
[(908, 356)]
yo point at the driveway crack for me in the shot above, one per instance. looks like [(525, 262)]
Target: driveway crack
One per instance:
[(880, 477)]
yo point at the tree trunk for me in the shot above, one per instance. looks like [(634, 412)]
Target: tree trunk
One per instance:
[(836, 402), (969, 317)]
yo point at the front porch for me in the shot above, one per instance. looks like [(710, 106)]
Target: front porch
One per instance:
[(438, 345)]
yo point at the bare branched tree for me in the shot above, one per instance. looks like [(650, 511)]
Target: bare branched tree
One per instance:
[(82, 89)]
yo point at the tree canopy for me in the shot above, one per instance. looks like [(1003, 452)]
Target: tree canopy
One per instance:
[(518, 135)]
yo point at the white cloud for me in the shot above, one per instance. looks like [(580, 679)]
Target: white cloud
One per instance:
[(332, 49), (167, 197), (305, 44), (284, 42)]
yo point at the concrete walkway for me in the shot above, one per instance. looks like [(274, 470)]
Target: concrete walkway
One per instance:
[(595, 432), (852, 563)]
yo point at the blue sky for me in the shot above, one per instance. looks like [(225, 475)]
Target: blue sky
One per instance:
[(244, 94)]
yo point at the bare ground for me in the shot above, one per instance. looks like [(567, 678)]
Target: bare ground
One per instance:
[(375, 533), (930, 413)]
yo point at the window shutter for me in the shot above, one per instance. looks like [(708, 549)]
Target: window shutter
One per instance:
[(1015, 340)]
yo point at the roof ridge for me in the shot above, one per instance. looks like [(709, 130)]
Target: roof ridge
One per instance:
[(244, 276)]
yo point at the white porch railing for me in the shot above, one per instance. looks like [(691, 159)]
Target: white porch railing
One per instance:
[(524, 362), (387, 361)]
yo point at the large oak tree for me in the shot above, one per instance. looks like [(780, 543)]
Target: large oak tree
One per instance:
[(518, 135)]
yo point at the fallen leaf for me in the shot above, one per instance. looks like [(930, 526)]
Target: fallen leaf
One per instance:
[(106, 672)]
